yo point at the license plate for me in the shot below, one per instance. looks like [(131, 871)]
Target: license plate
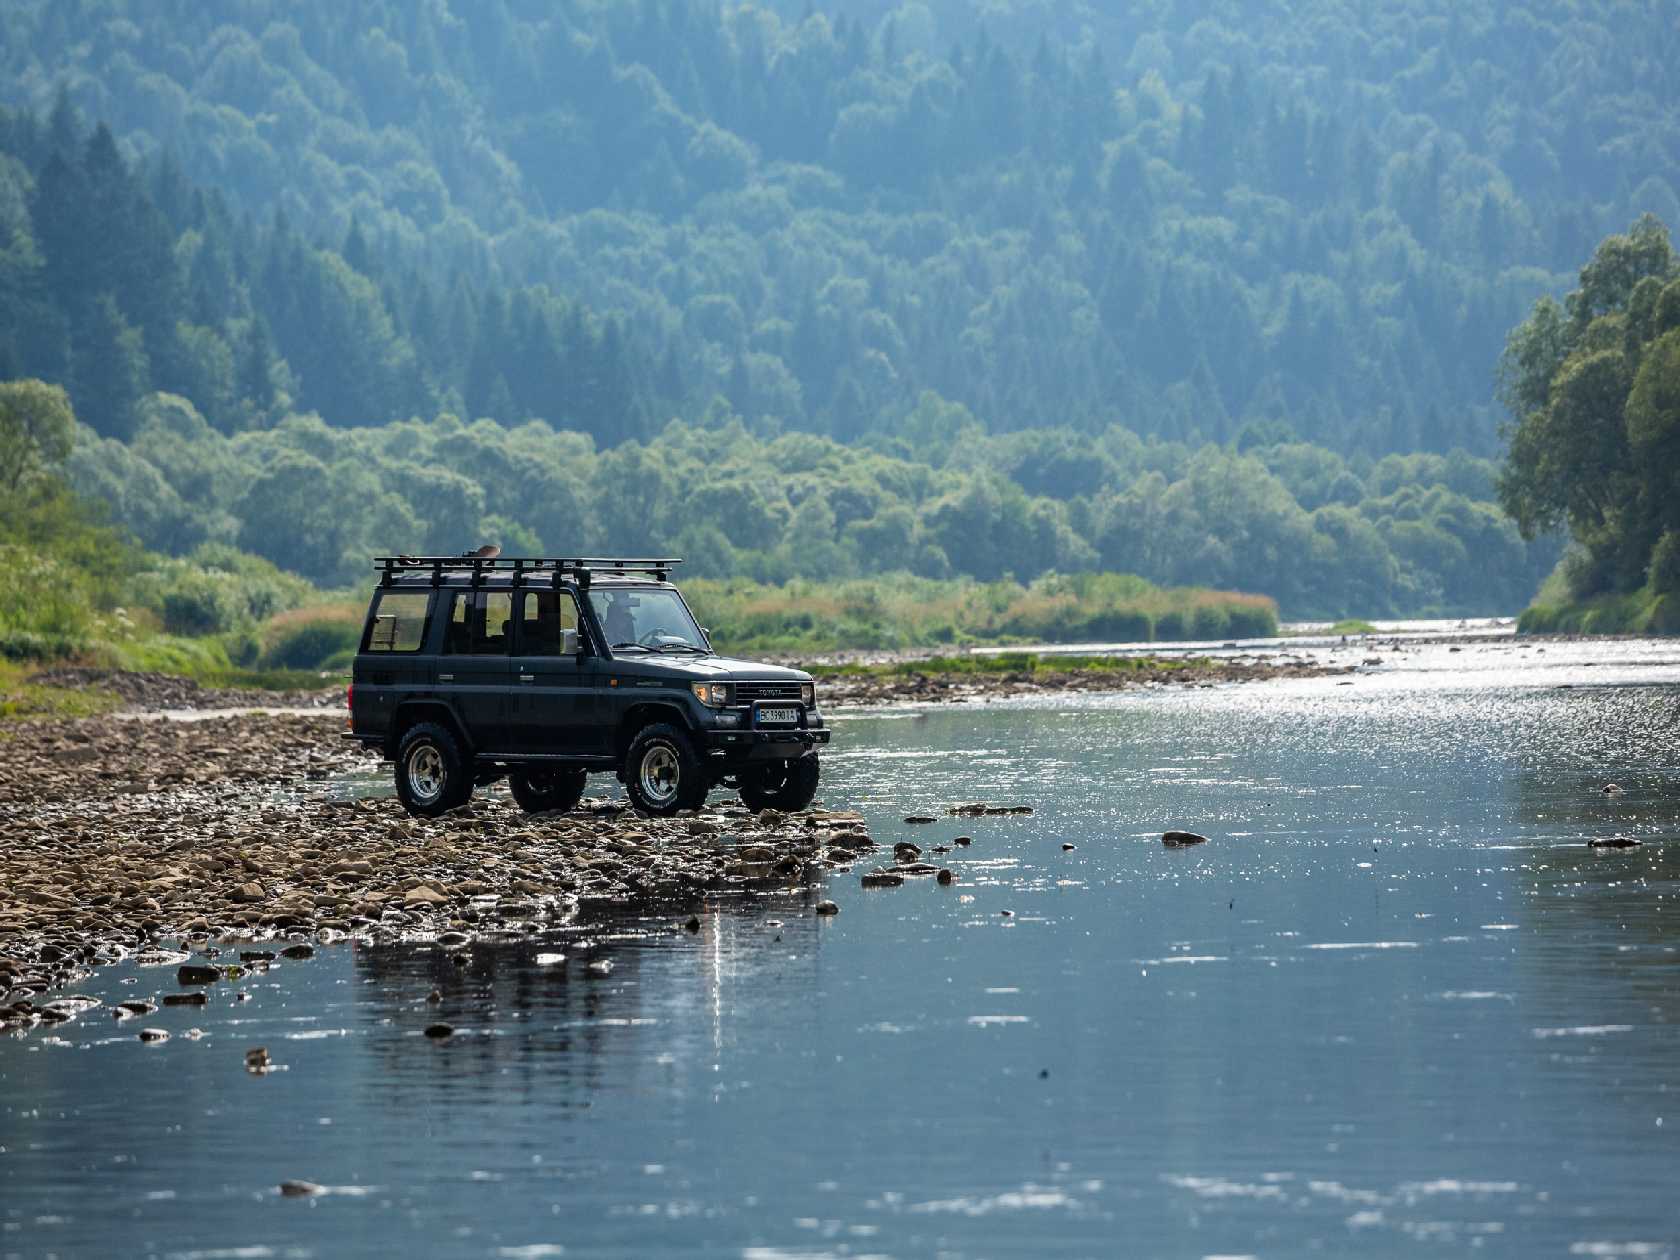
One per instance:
[(777, 715)]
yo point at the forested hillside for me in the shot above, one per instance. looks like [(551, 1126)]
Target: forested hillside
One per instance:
[(1315, 218), (1210, 294)]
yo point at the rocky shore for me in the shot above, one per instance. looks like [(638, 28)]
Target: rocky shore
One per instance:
[(142, 838)]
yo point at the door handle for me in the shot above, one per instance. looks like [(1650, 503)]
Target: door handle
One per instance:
[(446, 677), (527, 678)]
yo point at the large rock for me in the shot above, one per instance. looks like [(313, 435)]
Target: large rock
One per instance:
[(1181, 839)]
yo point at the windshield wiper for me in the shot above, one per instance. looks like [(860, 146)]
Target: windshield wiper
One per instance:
[(685, 647), (619, 647)]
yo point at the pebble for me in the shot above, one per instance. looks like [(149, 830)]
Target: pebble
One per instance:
[(946, 875), (1615, 842), (598, 967), (154, 1034), (437, 1032), (919, 819), (882, 879), (963, 841), (300, 1189), (827, 907), (185, 999)]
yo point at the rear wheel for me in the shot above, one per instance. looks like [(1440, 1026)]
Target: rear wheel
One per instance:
[(783, 785), (662, 772), (432, 775), (538, 791)]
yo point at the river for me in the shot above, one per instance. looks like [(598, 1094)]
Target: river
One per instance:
[(1395, 1006)]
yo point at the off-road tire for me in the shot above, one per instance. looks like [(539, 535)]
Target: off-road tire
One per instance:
[(432, 775), (783, 785), (662, 772), (539, 791)]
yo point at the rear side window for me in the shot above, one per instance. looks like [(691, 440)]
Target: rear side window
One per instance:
[(399, 621), (493, 623)]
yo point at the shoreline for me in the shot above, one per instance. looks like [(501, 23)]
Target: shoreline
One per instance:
[(129, 838)]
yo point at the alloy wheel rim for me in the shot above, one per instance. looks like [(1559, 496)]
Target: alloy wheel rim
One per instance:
[(659, 775), (425, 772)]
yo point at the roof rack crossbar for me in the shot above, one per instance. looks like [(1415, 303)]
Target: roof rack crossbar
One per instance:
[(523, 568)]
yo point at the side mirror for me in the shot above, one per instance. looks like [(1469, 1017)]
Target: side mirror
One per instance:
[(568, 642), (706, 635)]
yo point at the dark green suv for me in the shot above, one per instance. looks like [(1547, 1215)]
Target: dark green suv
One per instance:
[(544, 670)]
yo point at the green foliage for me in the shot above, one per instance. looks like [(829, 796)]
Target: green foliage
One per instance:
[(903, 611), (36, 431), (320, 501), (1199, 223), (1665, 565), (313, 642), (1594, 387)]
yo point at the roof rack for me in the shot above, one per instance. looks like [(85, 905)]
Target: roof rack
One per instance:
[(525, 570)]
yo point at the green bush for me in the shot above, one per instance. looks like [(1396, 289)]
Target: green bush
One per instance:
[(1210, 621), (309, 644), (1665, 565), (197, 604), (1172, 626), (1252, 621)]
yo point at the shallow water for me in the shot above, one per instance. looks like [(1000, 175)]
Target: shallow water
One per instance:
[(1395, 1006)]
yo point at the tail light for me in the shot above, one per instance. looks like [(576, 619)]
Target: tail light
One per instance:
[(350, 707)]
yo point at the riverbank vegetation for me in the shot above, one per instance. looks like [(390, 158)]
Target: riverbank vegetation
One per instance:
[(1594, 386)]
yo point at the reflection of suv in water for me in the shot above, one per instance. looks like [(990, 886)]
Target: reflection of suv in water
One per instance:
[(544, 670)]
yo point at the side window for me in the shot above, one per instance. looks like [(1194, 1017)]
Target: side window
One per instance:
[(457, 634), (547, 624), (493, 623), (399, 621)]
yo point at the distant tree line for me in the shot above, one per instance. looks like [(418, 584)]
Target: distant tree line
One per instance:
[(1320, 534)]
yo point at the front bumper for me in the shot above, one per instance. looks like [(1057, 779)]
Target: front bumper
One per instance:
[(760, 745)]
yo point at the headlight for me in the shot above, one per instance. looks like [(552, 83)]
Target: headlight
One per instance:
[(808, 694), (715, 694)]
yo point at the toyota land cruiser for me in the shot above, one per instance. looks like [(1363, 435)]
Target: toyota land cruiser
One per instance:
[(545, 670)]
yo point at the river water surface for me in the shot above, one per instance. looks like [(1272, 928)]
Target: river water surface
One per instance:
[(1395, 1006)]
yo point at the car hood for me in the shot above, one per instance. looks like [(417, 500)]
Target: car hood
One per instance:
[(723, 668)]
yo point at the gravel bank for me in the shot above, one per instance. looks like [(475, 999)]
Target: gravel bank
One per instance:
[(150, 837), (963, 688)]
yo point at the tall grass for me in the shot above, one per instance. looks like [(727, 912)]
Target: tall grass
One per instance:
[(899, 611)]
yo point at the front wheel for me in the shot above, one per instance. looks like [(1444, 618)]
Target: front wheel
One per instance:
[(432, 775), (783, 785), (662, 772), (538, 791)]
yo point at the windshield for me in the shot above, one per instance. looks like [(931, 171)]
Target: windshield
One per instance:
[(647, 617)]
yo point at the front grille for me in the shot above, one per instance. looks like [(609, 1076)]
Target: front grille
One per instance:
[(749, 691)]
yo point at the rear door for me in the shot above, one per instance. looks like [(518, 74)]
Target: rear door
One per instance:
[(555, 694), (476, 672), (389, 665)]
